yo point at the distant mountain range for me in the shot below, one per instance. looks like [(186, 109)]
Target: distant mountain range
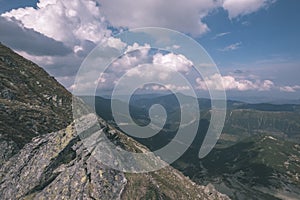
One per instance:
[(242, 118), (256, 157)]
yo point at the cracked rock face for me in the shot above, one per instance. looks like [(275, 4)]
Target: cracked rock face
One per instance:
[(58, 166)]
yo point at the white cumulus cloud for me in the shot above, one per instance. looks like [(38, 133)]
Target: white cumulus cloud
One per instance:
[(176, 62), (218, 82), (69, 21), (289, 88), (185, 16), (237, 8)]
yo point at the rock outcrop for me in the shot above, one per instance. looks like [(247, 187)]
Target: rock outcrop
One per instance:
[(59, 166)]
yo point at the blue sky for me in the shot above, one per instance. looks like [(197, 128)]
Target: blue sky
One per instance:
[(269, 44), (268, 33), (13, 4), (252, 42)]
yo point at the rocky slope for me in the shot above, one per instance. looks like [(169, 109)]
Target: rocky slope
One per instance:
[(59, 166), (31, 103), (37, 164)]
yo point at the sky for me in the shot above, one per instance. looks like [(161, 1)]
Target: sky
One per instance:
[(254, 43)]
